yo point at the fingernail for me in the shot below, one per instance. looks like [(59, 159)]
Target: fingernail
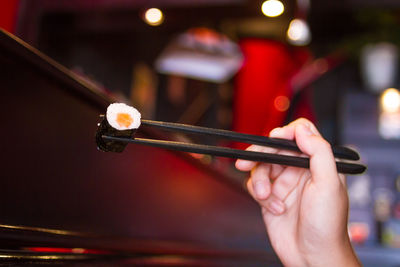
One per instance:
[(238, 164), (307, 130), (261, 190), (276, 207), (275, 132), (313, 129)]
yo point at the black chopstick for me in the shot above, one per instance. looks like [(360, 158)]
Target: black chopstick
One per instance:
[(342, 167), (338, 151)]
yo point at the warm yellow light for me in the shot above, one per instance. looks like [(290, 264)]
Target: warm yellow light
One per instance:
[(153, 16), (390, 100), (272, 8)]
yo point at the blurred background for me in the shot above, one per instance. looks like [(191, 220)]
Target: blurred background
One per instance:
[(248, 66)]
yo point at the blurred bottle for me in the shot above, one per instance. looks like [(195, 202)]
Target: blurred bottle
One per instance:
[(379, 66)]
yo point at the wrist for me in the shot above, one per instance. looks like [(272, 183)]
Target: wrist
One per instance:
[(339, 255)]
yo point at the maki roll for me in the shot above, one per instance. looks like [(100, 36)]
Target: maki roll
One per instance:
[(121, 120), (123, 117)]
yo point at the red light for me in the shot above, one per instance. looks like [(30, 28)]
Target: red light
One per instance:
[(66, 250), (281, 103), (358, 232)]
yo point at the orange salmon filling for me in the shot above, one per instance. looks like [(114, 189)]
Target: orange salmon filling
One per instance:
[(124, 120)]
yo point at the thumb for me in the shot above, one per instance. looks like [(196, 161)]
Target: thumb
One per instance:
[(322, 162)]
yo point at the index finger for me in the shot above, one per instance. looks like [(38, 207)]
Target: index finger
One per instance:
[(246, 165)]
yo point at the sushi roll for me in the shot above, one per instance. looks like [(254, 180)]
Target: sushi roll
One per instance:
[(121, 120), (123, 117)]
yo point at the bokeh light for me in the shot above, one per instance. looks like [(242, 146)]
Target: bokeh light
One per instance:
[(272, 8), (390, 100), (298, 32), (153, 16), (281, 103)]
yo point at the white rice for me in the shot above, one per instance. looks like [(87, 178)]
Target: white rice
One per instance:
[(114, 109)]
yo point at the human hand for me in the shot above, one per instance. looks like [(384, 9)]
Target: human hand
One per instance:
[(304, 210)]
